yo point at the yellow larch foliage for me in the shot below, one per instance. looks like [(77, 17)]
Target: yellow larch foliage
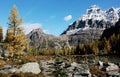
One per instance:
[(16, 43), (16, 39), (14, 17)]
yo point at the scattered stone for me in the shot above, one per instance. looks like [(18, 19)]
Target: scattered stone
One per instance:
[(45, 65), (8, 69), (100, 63), (32, 67), (12, 70), (79, 70), (110, 64), (112, 68), (113, 74)]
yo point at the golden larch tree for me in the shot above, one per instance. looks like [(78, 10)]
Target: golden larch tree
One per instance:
[(15, 38)]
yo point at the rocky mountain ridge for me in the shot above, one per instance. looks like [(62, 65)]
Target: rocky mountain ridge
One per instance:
[(38, 39), (87, 28), (94, 18), (91, 25)]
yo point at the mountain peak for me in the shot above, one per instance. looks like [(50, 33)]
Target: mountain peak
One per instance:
[(112, 14), (94, 18), (37, 30), (94, 12), (94, 8)]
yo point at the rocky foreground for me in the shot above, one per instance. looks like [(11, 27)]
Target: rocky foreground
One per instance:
[(51, 68)]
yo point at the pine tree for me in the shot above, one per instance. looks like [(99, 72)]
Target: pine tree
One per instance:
[(1, 33), (14, 21), (15, 37), (107, 47)]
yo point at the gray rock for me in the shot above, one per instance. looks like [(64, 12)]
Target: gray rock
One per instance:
[(79, 70), (45, 65), (8, 69), (114, 73), (32, 67), (12, 70), (100, 63), (6, 53), (110, 64), (112, 68), (37, 38)]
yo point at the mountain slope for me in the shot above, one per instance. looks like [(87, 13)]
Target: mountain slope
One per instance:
[(91, 25), (38, 39), (110, 31), (95, 18)]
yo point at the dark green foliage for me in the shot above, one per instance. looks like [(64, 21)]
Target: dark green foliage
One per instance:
[(60, 71), (112, 35), (111, 31)]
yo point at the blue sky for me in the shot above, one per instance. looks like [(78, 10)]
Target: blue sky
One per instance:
[(50, 15)]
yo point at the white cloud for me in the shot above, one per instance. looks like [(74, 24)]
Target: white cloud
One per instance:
[(67, 18), (30, 26), (27, 26)]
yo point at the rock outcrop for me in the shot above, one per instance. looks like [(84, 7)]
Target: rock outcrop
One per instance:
[(38, 39), (91, 25), (32, 67)]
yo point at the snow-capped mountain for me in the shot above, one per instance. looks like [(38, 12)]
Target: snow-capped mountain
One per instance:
[(112, 15), (94, 13), (118, 11), (91, 25), (94, 18)]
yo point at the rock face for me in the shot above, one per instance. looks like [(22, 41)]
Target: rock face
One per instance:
[(95, 18), (79, 70), (111, 69), (73, 69), (92, 23), (110, 31), (30, 67), (112, 14), (8, 69), (38, 39), (46, 67), (83, 36)]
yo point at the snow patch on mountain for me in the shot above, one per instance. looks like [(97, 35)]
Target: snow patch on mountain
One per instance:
[(70, 32), (112, 15), (95, 13), (95, 18)]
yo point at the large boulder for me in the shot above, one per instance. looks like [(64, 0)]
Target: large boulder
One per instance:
[(8, 69), (113, 73), (79, 70), (112, 68), (32, 67), (45, 65)]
